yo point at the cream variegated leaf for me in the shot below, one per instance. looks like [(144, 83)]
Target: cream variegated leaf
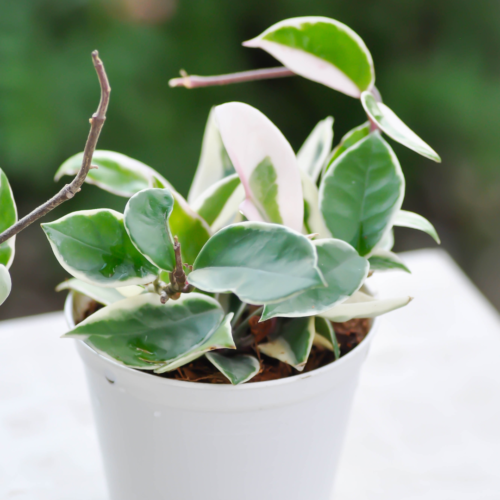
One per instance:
[(237, 369), (5, 283)]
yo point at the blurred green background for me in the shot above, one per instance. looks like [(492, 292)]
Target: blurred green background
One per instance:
[(437, 65)]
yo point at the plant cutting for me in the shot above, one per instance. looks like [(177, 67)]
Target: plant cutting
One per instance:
[(229, 329)]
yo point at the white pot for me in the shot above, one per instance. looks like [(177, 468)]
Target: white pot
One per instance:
[(165, 439)]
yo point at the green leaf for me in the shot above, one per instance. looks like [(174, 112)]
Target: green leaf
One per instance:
[(213, 204), (214, 164), (325, 336), (344, 271), (102, 295), (261, 263), (386, 243), (361, 193), (8, 217), (315, 150), (237, 369), (222, 338), (266, 165), (143, 333), (361, 305), (415, 221), (146, 222), (392, 125), (351, 138), (313, 219), (93, 246), (321, 49), (293, 345), (382, 260), (5, 283), (124, 176)]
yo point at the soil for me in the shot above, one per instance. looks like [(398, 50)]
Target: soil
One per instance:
[(349, 335)]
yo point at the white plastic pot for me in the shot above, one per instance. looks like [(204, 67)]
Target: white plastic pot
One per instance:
[(165, 439)]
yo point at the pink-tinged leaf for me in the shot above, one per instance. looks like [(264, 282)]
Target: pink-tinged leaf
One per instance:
[(266, 164)]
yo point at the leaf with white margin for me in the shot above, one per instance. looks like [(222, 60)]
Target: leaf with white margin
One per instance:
[(325, 336), (214, 164), (382, 260), (394, 127), (266, 165), (118, 174), (386, 243), (8, 217), (351, 138), (102, 295), (315, 150), (361, 305), (294, 343), (146, 222), (211, 204), (222, 338), (362, 192), (344, 271), (5, 283), (143, 333), (313, 219), (320, 49), (93, 246), (237, 369), (414, 221), (261, 263)]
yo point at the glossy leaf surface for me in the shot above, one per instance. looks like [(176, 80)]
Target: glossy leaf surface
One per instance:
[(393, 126), (293, 344), (361, 305), (93, 246), (5, 283), (143, 333), (261, 263), (214, 164), (313, 218), (414, 221), (265, 163), (100, 294), (146, 222), (8, 217), (237, 369), (315, 150), (325, 335), (361, 193), (382, 260), (321, 49), (344, 271)]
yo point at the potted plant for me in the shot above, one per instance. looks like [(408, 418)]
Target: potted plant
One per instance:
[(223, 335)]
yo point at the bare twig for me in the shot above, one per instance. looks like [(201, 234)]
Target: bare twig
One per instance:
[(193, 81), (68, 191)]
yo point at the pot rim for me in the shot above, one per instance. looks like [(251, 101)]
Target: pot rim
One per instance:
[(247, 386)]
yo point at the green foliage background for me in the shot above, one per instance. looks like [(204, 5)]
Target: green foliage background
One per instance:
[(437, 67)]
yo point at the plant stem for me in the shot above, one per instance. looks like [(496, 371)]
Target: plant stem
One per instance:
[(238, 314), (68, 191), (244, 324), (194, 81)]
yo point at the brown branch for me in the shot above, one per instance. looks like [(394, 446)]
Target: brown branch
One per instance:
[(68, 191), (193, 81)]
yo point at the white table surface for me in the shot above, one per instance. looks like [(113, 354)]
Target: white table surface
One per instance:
[(425, 423)]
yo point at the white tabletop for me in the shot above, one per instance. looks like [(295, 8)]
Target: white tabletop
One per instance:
[(425, 423)]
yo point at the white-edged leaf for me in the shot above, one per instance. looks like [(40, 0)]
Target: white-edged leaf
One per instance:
[(315, 150), (102, 295), (313, 218), (414, 221), (5, 283), (93, 246), (394, 127), (325, 336), (261, 263), (237, 369), (386, 243), (344, 271), (361, 305), (320, 49), (8, 217), (266, 165), (382, 260), (293, 344), (214, 164)]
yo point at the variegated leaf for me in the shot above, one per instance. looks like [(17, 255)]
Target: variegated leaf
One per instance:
[(313, 218), (325, 336), (412, 220), (8, 217), (266, 164), (321, 49), (102, 295), (382, 260), (5, 283), (237, 369)]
